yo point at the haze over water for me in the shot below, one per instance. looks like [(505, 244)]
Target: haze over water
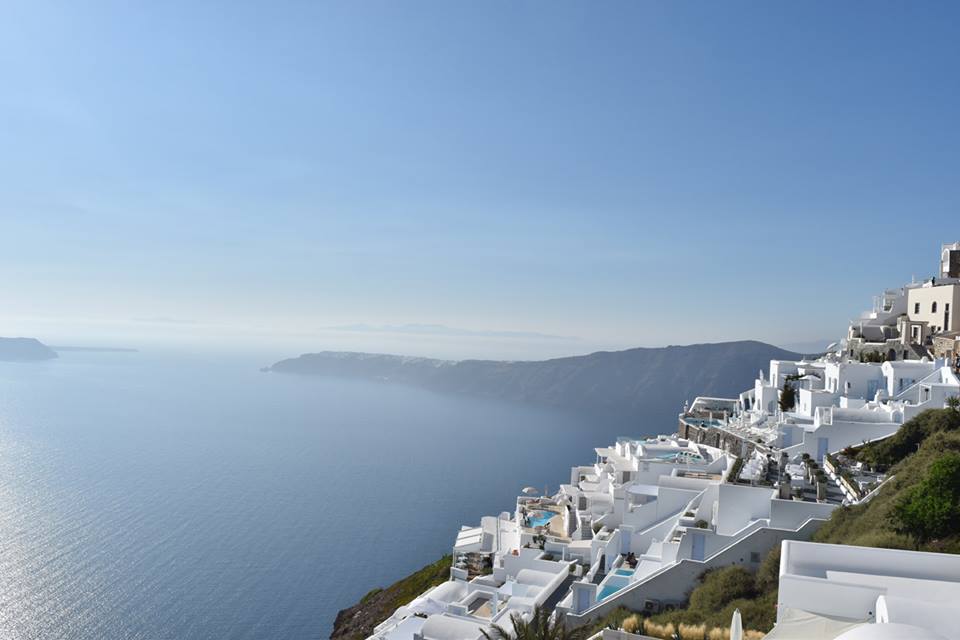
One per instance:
[(153, 495)]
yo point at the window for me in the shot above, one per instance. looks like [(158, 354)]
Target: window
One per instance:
[(916, 307), (933, 308)]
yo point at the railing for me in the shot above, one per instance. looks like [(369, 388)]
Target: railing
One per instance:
[(851, 487), (691, 569)]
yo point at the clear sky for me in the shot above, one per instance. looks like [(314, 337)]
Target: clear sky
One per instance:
[(318, 175)]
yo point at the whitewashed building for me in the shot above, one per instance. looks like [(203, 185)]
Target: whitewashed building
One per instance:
[(840, 592)]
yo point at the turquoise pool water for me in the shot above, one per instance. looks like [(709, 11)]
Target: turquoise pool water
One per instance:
[(608, 590), (540, 518), (624, 572)]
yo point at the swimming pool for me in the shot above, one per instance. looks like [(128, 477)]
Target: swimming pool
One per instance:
[(540, 518), (608, 590), (624, 572)]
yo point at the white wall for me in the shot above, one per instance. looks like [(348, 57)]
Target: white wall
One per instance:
[(739, 504), (672, 583), (845, 581), (900, 376), (790, 514), (810, 400), (853, 379)]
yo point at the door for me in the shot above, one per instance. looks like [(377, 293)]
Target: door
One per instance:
[(822, 451)]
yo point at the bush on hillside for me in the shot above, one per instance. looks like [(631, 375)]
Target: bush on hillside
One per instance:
[(874, 524), (720, 591), (931, 509), (720, 586), (889, 451)]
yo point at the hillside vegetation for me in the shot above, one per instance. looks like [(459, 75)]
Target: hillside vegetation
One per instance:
[(358, 621), (920, 506)]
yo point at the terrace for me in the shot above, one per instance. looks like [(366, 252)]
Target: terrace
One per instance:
[(852, 477)]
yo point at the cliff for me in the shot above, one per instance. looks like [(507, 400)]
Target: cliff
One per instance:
[(357, 622), (648, 382)]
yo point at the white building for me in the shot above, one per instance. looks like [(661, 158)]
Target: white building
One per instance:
[(839, 403), (638, 526), (841, 592), (633, 529)]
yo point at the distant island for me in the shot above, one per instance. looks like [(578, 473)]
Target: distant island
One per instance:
[(653, 382), (95, 349), (24, 350)]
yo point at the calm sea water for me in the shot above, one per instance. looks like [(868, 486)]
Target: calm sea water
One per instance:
[(153, 496)]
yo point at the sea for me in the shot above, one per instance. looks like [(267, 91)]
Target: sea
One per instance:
[(190, 495)]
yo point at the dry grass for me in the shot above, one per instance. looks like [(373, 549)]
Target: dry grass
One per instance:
[(663, 631), (633, 624), (692, 631), (638, 625)]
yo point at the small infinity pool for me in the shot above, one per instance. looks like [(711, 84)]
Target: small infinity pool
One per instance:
[(624, 572), (540, 518), (608, 590)]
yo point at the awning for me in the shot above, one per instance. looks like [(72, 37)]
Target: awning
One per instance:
[(469, 540)]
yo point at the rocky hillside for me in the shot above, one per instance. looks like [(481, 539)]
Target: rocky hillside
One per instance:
[(648, 382), (358, 621)]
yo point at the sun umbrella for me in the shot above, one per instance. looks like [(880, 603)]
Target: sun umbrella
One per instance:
[(736, 626)]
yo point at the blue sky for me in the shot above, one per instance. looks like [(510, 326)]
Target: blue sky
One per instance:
[(612, 174)]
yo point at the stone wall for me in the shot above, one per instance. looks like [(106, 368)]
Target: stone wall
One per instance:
[(714, 437)]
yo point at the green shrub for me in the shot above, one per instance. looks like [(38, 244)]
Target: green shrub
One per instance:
[(720, 586), (889, 451), (931, 509), (768, 575), (788, 397), (735, 470), (720, 591)]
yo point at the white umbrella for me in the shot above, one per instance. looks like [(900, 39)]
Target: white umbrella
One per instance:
[(530, 490), (736, 626)]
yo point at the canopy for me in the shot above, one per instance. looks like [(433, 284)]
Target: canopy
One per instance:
[(469, 540), (796, 624)]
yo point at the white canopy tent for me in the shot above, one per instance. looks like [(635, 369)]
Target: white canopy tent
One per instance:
[(796, 624)]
